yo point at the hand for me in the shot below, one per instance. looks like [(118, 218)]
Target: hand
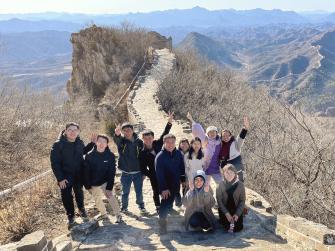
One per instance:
[(235, 217), (246, 124), (94, 138), (109, 193), (171, 115), (143, 177), (191, 185), (206, 188), (189, 116), (183, 185), (118, 130), (229, 217), (62, 184), (166, 194)]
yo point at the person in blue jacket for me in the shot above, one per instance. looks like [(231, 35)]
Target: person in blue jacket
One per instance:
[(170, 171)]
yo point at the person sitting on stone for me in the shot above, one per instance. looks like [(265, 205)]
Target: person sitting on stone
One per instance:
[(99, 169), (199, 202), (231, 198)]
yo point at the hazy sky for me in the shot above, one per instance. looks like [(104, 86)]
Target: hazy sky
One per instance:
[(125, 6)]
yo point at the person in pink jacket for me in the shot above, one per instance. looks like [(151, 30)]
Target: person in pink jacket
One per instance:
[(212, 146)]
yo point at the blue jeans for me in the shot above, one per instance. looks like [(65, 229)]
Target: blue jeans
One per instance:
[(126, 180), (166, 205)]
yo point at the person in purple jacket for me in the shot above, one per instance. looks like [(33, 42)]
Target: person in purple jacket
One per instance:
[(212, 146)]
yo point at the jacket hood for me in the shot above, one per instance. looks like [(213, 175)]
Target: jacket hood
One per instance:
[(200, 173)]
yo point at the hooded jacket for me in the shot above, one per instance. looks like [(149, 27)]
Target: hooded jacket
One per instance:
[(198, 200), (129, 153), (67, 157), (99, 168)]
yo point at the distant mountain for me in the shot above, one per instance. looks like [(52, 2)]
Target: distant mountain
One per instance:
[(298, 64), (218, 52), (19, 25)]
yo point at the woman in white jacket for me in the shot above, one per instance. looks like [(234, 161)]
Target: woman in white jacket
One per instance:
[(194, 159)]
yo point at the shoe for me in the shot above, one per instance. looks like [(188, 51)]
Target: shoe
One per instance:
[(162, 226), (157, 210), (124, 210), (102, 217), (119, 219), (83, 214), (173, 212), (71, 222), (143, 211)]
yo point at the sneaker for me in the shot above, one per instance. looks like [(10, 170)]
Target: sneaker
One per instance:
[(124, 210), (102, 217), (162, 226), (157, 210), (143, 211), (119, 219), (83, 214), (173, 212), (71, 222)]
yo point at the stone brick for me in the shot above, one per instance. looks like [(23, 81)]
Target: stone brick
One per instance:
[(35, 241)]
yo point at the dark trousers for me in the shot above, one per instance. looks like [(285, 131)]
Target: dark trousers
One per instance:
[(155, 189), (67, 197), (198, 219), (166, 205)]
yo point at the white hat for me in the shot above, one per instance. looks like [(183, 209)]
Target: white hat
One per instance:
[(211, 128)]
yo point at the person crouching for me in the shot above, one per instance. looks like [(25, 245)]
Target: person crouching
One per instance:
[(199, 202)]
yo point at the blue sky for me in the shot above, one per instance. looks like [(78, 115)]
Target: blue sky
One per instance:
[(125, 6)]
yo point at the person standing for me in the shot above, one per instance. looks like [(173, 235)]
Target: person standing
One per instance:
[(230, 152), (212, 144), (170, 171), (129, 147), (99, 171), (66, 159), (147, 157)]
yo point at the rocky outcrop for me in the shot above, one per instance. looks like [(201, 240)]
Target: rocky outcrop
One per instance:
[(107, 56)]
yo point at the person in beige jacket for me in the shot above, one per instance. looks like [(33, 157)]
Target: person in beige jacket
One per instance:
[(231, 199), (199, 202)]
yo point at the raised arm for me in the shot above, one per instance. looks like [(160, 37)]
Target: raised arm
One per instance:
[(167, 128), (117, 135), (197, 129), (240, 138)]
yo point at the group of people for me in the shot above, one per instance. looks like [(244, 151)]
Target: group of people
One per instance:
[(190, 166)]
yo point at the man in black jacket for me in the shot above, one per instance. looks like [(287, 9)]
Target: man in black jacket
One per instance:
[(148, 154), (99, 176), (66, 162)]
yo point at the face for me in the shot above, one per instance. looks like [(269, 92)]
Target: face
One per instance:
[(101, 144), (196, 145), (212, 134), (198, 182), (229, 175), (147, 140), (72, 133), (128, 132), (184, 146), (170, 144), (226, 136)]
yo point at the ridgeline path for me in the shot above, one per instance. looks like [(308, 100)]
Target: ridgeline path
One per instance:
[(142, 233)]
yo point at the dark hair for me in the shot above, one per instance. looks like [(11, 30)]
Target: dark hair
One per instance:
[(127, 125), (104, 136), (183, 140), (72, 124), (190, 152), (225, 130), (169, 136), (148, 133)]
